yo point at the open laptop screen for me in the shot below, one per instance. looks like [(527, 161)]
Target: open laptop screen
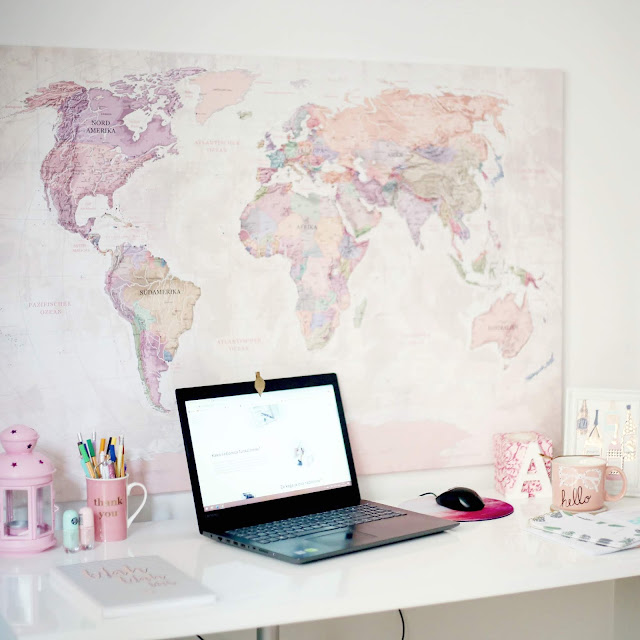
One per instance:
[(250, 448)]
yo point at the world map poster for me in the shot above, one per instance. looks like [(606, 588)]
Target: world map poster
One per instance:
[(174, 220)]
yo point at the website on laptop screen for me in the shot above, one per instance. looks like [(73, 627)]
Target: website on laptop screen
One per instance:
[(252, 448)]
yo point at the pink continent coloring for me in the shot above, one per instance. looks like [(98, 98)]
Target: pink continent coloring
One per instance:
[(95, 152), (309, 231), (157, 305)]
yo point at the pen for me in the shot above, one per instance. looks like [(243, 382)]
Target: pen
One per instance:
[(86, 459), (85, 468), (92, 453), (82, 460), (86, 448)]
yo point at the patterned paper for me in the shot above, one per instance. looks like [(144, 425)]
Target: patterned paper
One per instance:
[(589, 528)]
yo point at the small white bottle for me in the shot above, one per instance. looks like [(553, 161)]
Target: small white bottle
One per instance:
[(87, 531)]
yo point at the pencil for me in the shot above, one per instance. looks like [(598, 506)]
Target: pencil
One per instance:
[(119, 462), (92, 453)]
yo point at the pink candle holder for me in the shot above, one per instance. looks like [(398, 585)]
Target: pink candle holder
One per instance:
[(26, 490)]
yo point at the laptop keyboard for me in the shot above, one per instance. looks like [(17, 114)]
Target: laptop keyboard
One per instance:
[(314, 523)]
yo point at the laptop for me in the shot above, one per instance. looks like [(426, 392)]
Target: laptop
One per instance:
[(273, 473)]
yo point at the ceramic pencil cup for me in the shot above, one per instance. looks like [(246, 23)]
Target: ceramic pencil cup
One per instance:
[(108, 499)]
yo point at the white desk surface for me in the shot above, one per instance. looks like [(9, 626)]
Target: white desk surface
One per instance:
[(474, 560)]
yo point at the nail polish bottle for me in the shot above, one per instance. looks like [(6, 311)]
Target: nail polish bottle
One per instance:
[(87, 531), (70, 531)]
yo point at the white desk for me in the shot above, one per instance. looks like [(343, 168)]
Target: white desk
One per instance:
[(473, 561)]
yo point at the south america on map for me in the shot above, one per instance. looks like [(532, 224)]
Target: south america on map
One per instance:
[(174, 220)]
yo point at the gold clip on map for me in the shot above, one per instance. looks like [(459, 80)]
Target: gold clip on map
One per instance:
[(259, 384)]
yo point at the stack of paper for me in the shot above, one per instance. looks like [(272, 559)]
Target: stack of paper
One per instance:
[(592, 533)]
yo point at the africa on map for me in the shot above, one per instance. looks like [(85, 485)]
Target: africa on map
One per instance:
[(177, 220)]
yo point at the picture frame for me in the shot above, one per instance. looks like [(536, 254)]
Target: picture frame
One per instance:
[(605, 422)]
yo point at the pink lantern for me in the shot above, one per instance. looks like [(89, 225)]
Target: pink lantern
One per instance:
[(26, 491)]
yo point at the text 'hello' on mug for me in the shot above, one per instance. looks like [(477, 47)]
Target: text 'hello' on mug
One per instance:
[(578, 483)]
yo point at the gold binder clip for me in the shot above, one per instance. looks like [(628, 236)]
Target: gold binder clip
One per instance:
[(259, 384)]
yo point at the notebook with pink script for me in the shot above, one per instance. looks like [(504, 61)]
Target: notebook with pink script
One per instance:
[(124, 586)]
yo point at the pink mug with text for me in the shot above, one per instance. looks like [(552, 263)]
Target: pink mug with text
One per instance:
[(577, 483), (108, 499)]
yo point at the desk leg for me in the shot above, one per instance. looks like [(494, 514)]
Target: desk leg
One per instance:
[(268, 633), (626, 618)]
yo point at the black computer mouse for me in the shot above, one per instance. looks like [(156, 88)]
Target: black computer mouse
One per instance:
[(460, 499)]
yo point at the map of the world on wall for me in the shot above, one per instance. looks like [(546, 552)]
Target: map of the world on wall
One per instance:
[(175, 220)]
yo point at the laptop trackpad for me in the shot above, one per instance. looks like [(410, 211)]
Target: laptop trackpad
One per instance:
[(343, 536)]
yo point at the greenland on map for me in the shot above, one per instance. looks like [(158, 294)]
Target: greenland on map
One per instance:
[(174, 220)]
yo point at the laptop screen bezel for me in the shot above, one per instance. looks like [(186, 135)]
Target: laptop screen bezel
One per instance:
[(232, 517)]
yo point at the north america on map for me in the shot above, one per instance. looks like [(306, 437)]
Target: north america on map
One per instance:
[(181, 220), (101, 138)]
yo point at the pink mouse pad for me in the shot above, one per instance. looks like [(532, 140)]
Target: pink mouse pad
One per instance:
[(427, 504)]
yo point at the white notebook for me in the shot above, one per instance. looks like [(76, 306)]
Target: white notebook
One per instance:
[(124, 586)]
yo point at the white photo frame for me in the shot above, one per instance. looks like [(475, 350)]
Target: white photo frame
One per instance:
[(605, 422)]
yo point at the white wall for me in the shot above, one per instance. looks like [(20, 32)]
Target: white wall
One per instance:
[(593, 41)]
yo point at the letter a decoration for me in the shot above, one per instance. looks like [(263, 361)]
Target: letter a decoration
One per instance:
[(520, 468)]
